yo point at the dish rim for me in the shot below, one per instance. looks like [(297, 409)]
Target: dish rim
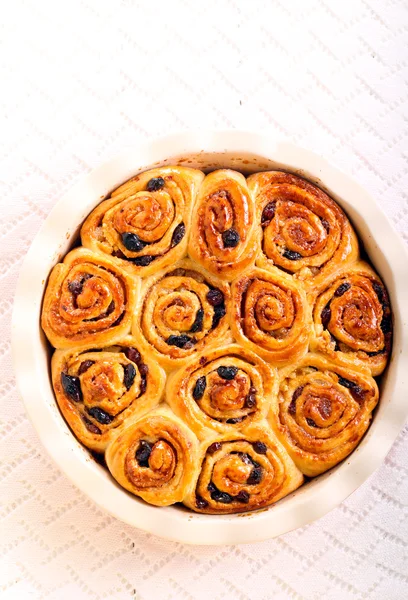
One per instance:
[(33, 381)]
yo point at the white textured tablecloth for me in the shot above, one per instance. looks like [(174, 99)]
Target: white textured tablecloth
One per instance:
[(82, 79)]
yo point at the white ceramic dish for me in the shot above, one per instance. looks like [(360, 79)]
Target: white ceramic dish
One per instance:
[(242, 151)]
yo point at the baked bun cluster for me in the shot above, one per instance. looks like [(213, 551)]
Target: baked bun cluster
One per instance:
[(217, 337)]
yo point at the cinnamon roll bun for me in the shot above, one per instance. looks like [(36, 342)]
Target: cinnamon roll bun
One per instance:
[(224, 389), (241, 472), (144, 225), (324, 408), (303, 231), (352, 318), (270, 315), (155, 458), (88, 300), (223, 235), (181, 311), (101, 390)]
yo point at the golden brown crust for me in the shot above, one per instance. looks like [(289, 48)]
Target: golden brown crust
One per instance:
[(223, 205), (88, 300), (243, 471), (236, 433), (352, 318), (270, 315), (101, 391), (155, 458), (324, 409), (302, 229), (173, 306), (224, 389), (157, 217)]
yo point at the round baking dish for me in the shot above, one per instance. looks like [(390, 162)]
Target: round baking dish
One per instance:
[(247, 152)]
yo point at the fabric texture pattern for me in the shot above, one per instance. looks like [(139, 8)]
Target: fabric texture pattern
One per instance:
[(83, 80)]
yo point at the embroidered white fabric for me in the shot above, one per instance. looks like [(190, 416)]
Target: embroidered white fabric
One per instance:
[(83, 79)]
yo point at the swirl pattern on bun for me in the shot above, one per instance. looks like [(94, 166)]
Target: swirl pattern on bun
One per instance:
[(224, 389), (223, 236), (100, 390), (88, 300), (241, 472), (155, 458), (323, 411), (270, 315), (352, 318), (303, 230), (144, 225), (181, 311)]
